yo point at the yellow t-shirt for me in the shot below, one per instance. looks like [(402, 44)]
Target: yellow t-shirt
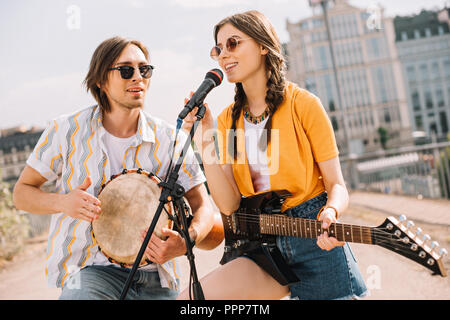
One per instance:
[(301, 136)]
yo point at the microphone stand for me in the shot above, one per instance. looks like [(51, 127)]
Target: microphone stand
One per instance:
[(172, 190)]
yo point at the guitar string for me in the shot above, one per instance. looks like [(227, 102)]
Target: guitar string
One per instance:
[(379, 231), (401, 247), (378, 235), (383, 237)]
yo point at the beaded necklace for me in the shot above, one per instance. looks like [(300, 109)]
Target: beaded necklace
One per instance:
[(255, 119)]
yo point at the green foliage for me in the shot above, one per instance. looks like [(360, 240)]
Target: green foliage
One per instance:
[(443, 175), (14, 227), (384, 136)]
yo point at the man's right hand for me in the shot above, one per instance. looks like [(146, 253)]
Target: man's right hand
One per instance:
[(81, 205)]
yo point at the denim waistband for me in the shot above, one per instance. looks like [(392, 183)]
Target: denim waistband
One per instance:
[(308, 207)]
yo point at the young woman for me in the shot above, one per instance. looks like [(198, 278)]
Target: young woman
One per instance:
[(294, 149)]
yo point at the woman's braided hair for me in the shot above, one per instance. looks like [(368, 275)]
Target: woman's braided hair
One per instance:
[(258, 27)]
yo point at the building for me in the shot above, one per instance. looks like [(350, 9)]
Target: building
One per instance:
[(16, 144), (368, 71), (423, 45)]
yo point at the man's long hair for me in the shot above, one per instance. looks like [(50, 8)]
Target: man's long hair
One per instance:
[(104, 58)]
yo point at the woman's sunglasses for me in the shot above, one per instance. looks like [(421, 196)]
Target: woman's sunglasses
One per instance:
[(231, 45), (126, 72)]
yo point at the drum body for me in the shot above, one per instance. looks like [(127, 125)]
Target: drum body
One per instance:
[(128, 202)]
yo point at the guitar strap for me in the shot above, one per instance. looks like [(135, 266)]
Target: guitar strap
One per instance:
[(268, 257)]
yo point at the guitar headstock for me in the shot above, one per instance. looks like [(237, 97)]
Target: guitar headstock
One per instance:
[(402, 237)]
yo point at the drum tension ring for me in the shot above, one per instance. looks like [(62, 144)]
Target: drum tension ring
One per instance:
[(124, 171), (139, 170)]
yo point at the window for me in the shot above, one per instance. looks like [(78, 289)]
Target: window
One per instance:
[(311, 85), (447, 68), (440, 97), (411, 73), (424, 72), (323, 57), (433, 128), (381, 85), (435, 70), (443, 121), (334, 122), (416, 34), (419, 122), (374, 46), (415, 100), (331, 105), (387, 116), (304, 25), (404, 35), (428, 99)]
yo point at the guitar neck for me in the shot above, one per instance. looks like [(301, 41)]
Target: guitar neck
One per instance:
[(309, 228)]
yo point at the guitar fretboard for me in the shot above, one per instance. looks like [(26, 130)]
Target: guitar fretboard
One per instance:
[(308, 228)]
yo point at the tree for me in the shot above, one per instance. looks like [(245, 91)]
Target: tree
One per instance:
[(384, 136), (14, 227)]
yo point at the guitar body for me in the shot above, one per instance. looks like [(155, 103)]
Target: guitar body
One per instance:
[(243, 237)]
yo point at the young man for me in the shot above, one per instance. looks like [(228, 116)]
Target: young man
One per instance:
[(81, 151)]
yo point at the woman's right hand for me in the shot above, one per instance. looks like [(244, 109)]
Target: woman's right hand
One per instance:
[(203, 134), (79, 204)]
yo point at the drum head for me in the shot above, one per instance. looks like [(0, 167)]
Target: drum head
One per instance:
[(128, 204)]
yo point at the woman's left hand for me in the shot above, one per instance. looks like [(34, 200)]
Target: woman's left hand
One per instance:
[(328, 216)]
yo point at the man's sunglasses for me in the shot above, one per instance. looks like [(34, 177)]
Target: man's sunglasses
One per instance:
[(126, 72), (231, 45)]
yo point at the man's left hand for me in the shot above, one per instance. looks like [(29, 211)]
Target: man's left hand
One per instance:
[(160, 251)]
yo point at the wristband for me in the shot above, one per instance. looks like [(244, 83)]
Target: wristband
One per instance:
[(326, 207)]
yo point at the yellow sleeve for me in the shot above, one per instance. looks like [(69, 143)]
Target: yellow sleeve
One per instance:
[(317, 126)]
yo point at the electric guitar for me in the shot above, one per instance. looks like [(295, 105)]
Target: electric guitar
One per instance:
[(259, 218)]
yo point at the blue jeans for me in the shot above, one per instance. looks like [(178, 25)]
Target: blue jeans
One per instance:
[(107, 282), (323, 274)]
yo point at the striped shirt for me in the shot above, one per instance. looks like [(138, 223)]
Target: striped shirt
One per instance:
[(71, 148)]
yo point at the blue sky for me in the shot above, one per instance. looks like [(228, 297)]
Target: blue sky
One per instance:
[(46, 47)]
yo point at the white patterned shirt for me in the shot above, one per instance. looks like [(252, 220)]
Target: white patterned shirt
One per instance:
[(71, 148)]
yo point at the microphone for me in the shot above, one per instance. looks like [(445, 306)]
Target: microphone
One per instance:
[(212, 79)]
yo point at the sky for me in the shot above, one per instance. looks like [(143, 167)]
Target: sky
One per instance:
[(46, 47)]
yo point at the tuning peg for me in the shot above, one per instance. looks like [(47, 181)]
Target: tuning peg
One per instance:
[(426, 238), (418, 232), (402, 218), (434, 245), (443, 252), (409, 224)]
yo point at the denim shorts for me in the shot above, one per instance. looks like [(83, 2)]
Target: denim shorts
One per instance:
[(106, 283), (324, 275)]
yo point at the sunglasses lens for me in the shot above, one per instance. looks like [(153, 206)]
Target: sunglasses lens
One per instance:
[(146, 71), (126, 72), (231, 44), (215, 52)]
